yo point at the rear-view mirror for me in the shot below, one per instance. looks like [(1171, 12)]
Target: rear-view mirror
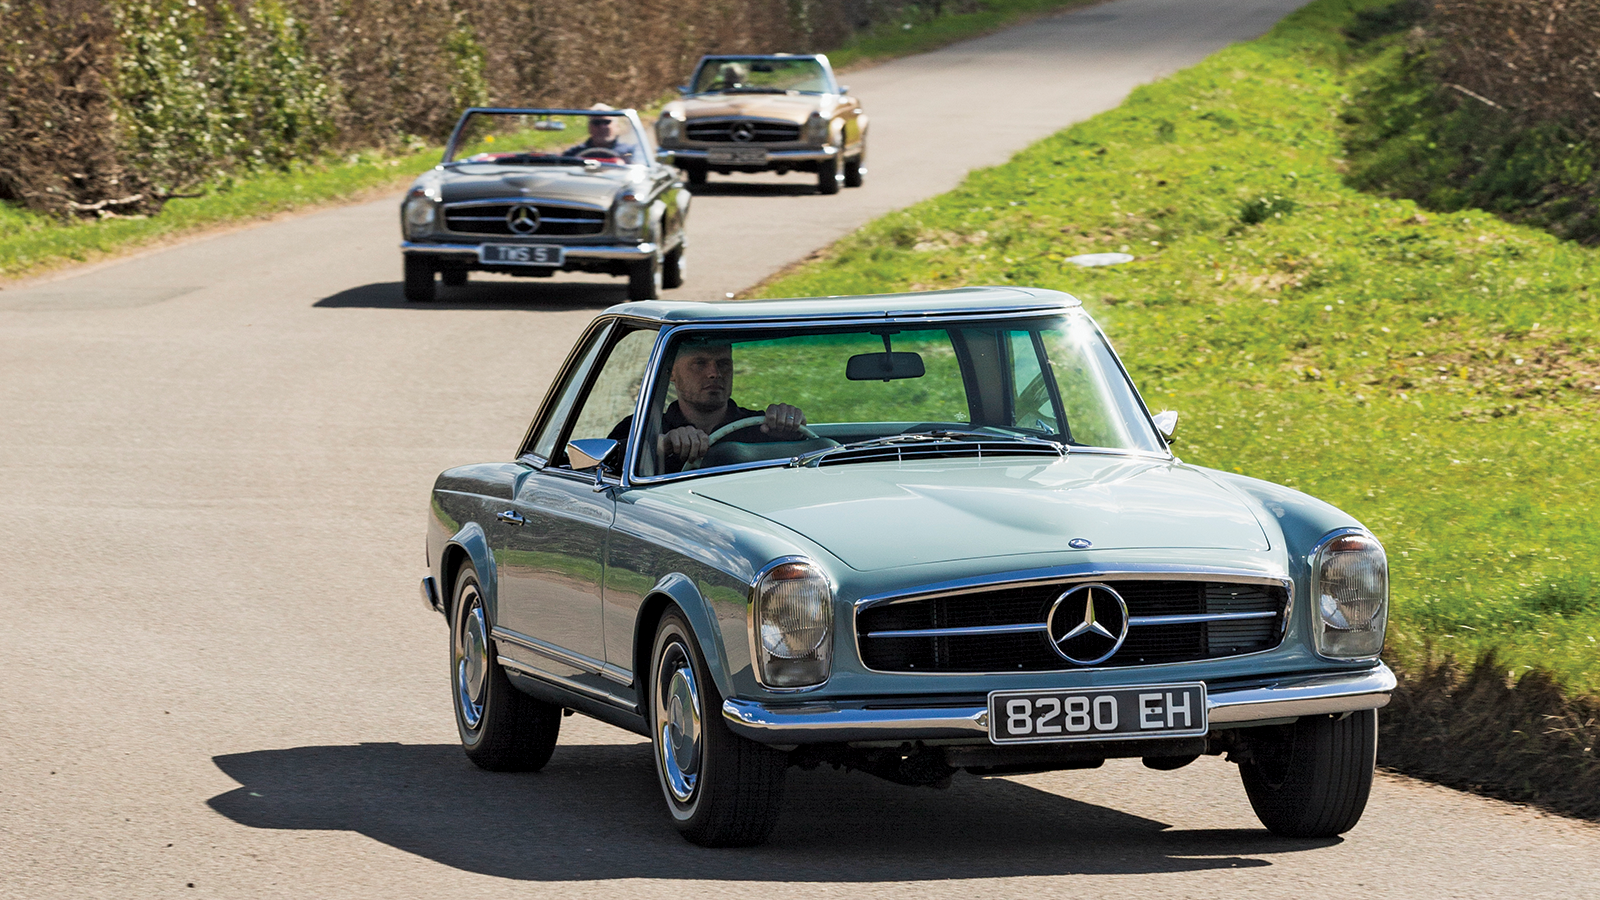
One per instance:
[(884, 366)]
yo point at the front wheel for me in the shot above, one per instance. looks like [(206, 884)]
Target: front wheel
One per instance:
[(672, 268), (419, 286), (644, 278), (695, 174), (1310, 779), (502, 729), (722, 790), (828, 177), (855, 169)]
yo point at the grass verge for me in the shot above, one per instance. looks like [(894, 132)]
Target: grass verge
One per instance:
[(32, 244), (1436, 375)]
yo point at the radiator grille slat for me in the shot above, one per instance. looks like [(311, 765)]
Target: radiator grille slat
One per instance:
[(760, 132), (1032, 651), (554, 221)]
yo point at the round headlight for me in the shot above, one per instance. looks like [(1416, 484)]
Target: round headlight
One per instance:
[(793, 615), (816, 129), (630, 216), (1351, 592), (419, 212)]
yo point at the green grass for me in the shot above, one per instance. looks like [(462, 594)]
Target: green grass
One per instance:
[(1436, 375), (922, 30), (31, 243)]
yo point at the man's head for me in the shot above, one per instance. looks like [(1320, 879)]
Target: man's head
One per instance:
[(602, 131), (702, 372)]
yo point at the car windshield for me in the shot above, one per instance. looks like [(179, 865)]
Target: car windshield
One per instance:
[(759, 75), (1036, 383), (548, 139)]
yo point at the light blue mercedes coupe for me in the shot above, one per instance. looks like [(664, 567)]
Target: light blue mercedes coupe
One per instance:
[(918, 535)]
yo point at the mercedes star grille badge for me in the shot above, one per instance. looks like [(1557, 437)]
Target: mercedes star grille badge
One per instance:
[(522, 219), (743, 132), (1088, 624)]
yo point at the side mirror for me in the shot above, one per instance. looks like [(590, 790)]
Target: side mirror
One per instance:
[(844, 89), (1167, 423), (683, 89), (594, 453)]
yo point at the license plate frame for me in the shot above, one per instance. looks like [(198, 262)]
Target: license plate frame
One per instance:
[(1131, 711), (737, 156), (552, 255)]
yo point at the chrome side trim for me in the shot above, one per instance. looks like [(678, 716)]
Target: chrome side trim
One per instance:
[(617, 675), (430, 595), (573, 251), (549, 651), (827, 722), (576, 687)]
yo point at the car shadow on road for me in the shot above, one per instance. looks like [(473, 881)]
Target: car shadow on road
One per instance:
[(545, 297), (595, 812), (753, 189)]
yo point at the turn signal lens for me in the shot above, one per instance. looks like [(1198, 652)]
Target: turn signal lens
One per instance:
[(793, 615), (1351, 590)]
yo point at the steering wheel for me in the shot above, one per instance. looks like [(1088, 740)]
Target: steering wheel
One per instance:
[(740, 425), (599, 154)]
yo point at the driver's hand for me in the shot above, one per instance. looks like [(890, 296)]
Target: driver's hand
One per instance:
[(783, 419), (687, 443)]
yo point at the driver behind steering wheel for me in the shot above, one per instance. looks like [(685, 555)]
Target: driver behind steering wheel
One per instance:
[(603, 136), (702, 372)]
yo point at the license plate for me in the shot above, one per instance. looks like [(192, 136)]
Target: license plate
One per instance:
[(1097, 714), (741, 156), (520, 254)]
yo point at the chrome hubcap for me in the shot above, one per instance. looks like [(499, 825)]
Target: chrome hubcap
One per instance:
[(677, 700), (472, 659)]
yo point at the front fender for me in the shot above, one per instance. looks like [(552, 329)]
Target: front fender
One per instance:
[(470, 543), (679, 590)]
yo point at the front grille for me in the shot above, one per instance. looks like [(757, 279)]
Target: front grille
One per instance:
[(492, 218), (1146, 644), (760, 132)]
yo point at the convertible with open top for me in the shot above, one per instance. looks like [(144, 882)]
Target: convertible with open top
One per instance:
[(920, 535), (533, 192)]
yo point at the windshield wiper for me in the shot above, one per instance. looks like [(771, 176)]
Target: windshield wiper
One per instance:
[(925, 437)]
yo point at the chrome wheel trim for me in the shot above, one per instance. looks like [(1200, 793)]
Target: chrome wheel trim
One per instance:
[(679, 737), (471, 658)]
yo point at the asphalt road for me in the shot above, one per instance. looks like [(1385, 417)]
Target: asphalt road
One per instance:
[(216, 678)]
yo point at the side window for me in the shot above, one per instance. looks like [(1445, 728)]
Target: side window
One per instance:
[(567, 394), (615, 390)]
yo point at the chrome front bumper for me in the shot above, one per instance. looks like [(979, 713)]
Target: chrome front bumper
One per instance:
[(1307, 695), (571, 251), (774, 157)]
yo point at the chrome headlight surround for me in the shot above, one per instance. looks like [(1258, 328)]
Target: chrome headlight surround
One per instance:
[(815, 130), (791, 625), (669, 130), (1350, 594), (418, 213)]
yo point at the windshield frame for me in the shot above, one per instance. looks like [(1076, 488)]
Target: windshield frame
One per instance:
[(818, 58), (671, 332), (647, 148)]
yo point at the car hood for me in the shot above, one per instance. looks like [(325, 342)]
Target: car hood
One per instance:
[(484, 181), (884, 515), (795, 108)]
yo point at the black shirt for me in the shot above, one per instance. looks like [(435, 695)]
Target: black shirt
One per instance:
[(674, 418)]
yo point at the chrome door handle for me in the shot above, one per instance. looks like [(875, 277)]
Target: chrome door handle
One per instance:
[(511, 516)]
